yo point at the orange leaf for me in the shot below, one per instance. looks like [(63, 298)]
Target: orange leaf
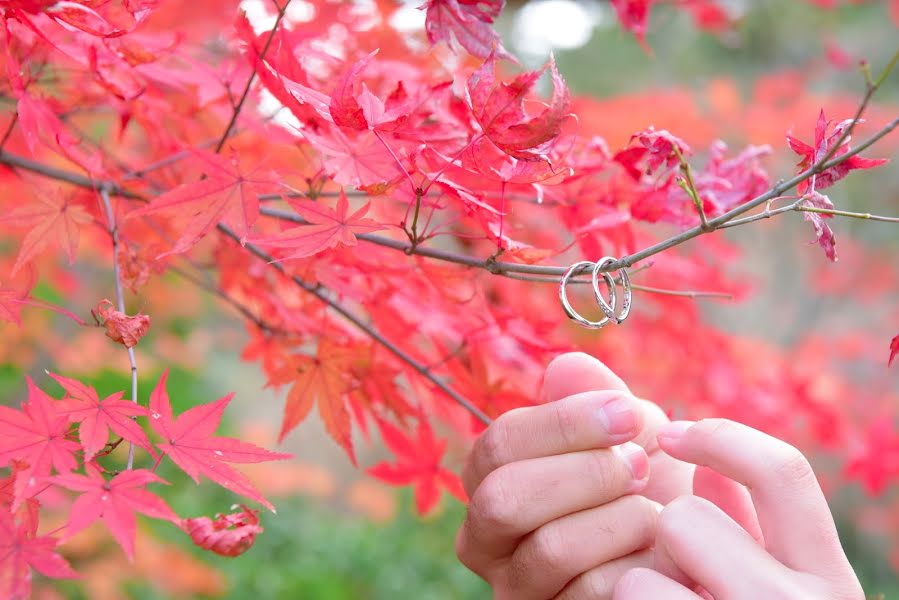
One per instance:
[(322, 379), (120, 327), (52, 219)]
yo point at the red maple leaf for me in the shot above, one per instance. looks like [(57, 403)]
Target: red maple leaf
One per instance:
[(823, 232), (114, 502), (328, 228), (190, 443), (499, 109), (228, 193), (53, 219), (823, 145), (344, 107), (418, 462), (321, 379), (121, 328), (97, 417), (227, 535), (37, 436), (469, 21), (13, 295), (894, 350), (22, 550), (633, 15)]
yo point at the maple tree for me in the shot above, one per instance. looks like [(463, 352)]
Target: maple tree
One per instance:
[(385, 232)]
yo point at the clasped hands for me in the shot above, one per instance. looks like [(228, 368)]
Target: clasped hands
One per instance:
[(596, 495)]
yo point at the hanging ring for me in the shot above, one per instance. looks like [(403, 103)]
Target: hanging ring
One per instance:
[(610, 308), (566, 305)]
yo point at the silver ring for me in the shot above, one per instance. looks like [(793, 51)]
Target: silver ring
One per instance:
[(566, 305), (608, 309)]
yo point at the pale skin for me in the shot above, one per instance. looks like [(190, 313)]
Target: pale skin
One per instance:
[(596, 495)]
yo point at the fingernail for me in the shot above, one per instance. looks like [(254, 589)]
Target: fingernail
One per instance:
[(618, 416), (635, 457), (674, 430)]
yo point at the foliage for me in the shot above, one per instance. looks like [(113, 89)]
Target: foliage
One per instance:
[(372, 231)]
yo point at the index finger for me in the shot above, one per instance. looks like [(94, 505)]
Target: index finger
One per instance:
[(597, 419), (795, 520)]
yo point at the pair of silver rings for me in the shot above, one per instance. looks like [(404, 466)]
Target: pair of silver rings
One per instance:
[(610, 307)]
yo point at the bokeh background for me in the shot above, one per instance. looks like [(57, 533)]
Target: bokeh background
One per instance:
[(339, 534)]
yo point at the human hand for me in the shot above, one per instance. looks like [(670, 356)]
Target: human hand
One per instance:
[(795, 553), (553, 510)]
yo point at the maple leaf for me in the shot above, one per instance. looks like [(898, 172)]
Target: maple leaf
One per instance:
[(822, 146), (319, 379), (823, 232), (37, 436), (121, 328), (228, 193), (499, 109), (22, 550), (894, 350), (190, 443), (328, 228), (657, 148), (14, 294), (344, 107), (114, 502), (227, 535), (359, 161), (53, 219), (418, 462), (469, 22), (633, 16), (97, 417)]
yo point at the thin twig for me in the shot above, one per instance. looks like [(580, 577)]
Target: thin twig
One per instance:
[(223, 295), (689, 186), (844, 213), (320, 292), (246, 91), (9, 129), (120, 300)]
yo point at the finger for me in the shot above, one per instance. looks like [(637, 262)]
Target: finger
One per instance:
[(559, 551), (585, 421), (730, 496), (576, 372), (517, 498), (795, 520), (599, 582), (710, 548), (641, 584)]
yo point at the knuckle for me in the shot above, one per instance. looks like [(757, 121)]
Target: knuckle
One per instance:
[(463, 546), (547, 550), (792, 466), (492, 449), (567, 423), (493, 506)]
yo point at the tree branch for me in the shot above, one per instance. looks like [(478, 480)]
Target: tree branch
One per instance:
[(120, 300), (461, 259)]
